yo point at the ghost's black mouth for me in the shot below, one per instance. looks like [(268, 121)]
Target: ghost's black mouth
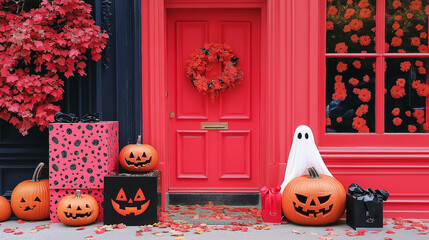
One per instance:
[(78, 215), (312, 212), (138, 164)]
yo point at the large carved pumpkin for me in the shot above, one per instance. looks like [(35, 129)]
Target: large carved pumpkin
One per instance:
[(314, 199), (138, 157), (5, 210), (77, 210), (30, 198)]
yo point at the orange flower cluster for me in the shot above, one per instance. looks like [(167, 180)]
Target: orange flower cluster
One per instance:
[(341, 67), (396, 42), (356, 24), (360, 125), (421, 88), (398, 90), (357, 64), (415, 41), (365, 40), (354, 38), (341, 48), (365, 13), (396, 4), (419, 114), (349, 13), (397, 121), (339, 119), (405, 66), (362, 109), (396, 111), (364, 95), (329, 25), (366, 78), (412, 128), (332, 10), (340, 90), (353, 81), (415, 5)]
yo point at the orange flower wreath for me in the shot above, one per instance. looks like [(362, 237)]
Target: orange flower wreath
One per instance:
[(203, 60)]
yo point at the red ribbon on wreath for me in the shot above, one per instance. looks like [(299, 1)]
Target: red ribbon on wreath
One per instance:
[(203, 60)]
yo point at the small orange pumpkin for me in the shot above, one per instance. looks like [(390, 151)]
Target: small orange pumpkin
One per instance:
[(138, 157), (314, 199), (5, 210), (77, 210), (30, 198)]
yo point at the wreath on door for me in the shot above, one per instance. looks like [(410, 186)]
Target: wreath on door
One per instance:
[(204, 59)]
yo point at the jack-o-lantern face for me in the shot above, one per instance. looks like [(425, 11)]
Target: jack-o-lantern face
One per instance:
[(30, 198), (314, 200), (135, 205), (138, 157), (79, 209)]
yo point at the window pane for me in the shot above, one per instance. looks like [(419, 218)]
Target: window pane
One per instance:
[(405, 98), (350, 26), (407, 26), (350, 92)]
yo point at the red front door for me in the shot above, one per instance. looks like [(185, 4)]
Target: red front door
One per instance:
[(213, 160)]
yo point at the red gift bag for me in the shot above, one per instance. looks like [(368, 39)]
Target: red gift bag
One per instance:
[(271, 204)]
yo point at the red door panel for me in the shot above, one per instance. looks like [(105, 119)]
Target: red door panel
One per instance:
[(213, 160)]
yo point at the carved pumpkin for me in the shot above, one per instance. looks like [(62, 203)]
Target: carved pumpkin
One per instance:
[(5, 210), (30, 198), (314, 199), (77, 210), (138, 157), (132, 205)]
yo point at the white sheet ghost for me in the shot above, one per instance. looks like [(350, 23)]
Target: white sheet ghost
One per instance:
[(303, 154)]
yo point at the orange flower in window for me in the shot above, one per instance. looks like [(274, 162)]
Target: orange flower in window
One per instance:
[(329, 25), (363, 4), (412, 128), (420, 120), (339, 119), (341, 47), (353, 81), (396, 26), (423, 34), (422, 70), (415, 5), (356, 90), (401, 51), (349, 2), (349, 13), (400, 82), (423, 49), (365, 13), (419, 63), (357, 64), (366, 78), (415, 84), (365, 40), (419, 113), (397, 92), (415, 41), (363, 129), (356, 24), (397, 121), (425, 126), (395, 112), (396, 42), (399, 32), (364, 95), (396, 4), (340, 91), (419, 27), (360, 125), (332, 10), (386, 47), (398, 18), (405, 66), (362, 109), (354, 38), (328, 122), (347, 28), (338, 78), (427, 9), (408, 113), (341, 67)]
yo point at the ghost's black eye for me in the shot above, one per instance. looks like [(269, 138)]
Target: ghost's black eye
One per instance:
[(299, 135), (306, 135)]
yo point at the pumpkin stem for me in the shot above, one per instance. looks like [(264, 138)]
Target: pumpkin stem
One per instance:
[(78, 194), (139, 140), (37, 173), (313, 173)]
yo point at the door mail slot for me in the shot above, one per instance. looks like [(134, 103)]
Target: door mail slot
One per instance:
[(213, 125)]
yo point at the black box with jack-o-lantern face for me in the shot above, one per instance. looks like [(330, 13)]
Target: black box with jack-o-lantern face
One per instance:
[(131, 199), (358, 217)]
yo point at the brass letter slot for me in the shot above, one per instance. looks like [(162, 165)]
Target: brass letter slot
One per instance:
[(214, 125)]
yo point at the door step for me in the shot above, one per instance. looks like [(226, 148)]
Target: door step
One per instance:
[(231, 199)]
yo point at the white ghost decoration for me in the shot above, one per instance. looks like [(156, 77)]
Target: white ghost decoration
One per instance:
[(303, 154)]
